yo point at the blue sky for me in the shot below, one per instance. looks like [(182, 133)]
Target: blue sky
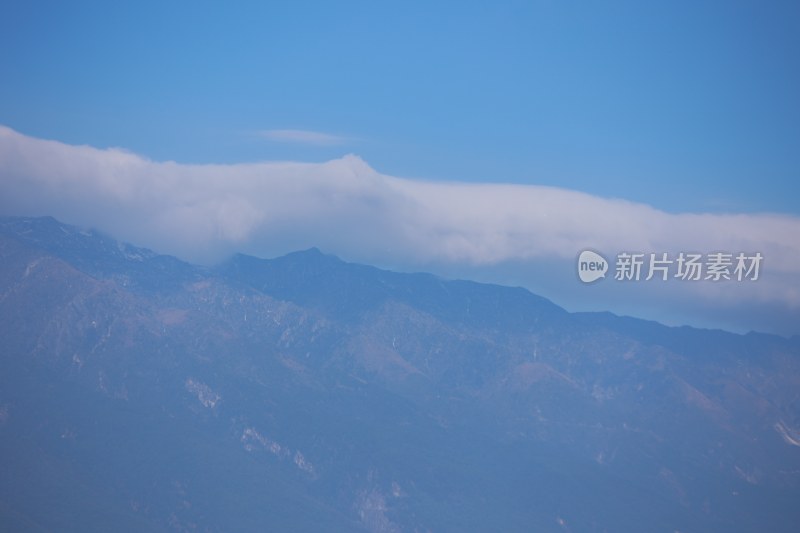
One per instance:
[(621, 125), (687, 106)]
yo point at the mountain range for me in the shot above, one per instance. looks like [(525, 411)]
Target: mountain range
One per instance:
[(139, 392)]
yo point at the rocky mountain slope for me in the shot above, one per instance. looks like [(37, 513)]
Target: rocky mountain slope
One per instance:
[(303, 393)]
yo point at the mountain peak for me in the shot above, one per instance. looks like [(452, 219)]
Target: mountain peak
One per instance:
[(96, 253), (312, 253)]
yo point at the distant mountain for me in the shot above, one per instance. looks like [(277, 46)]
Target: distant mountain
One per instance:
[(304, 393)]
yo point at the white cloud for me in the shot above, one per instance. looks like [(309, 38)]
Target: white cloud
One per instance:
[(201, 212), (303, 137)]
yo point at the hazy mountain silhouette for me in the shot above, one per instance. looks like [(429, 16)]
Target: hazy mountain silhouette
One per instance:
[(304, 393)]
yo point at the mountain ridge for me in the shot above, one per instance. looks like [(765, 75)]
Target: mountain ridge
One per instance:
[(232, 266), (326, 396)]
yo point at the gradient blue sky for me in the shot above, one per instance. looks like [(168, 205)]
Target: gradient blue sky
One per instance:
[(684, 105)]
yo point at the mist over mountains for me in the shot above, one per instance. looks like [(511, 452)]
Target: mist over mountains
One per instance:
[(303, 393)]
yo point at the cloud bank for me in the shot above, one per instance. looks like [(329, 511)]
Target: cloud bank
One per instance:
[(203, 212)]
